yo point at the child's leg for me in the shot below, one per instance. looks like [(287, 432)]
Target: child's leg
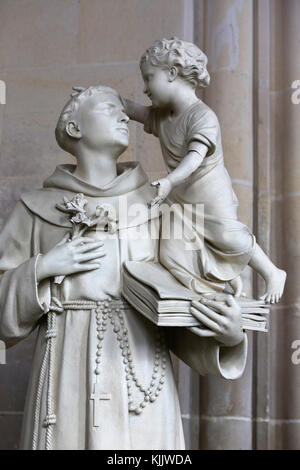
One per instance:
[(273, 276)]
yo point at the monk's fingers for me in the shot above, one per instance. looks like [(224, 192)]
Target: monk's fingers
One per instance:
[(205, 306), (216, 317), (88, 267), (85, 247), (206, 321), (217, 306), (230, 313), (90, 256), (202, 332), (81, 240)]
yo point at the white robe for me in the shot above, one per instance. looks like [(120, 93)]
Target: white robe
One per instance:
[(34, 227)]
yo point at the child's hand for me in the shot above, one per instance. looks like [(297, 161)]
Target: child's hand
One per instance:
[(164, 187), (135, 111)]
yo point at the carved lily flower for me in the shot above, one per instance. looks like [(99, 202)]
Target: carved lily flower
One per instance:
[(75, 208), (80, 218), (106, 219)]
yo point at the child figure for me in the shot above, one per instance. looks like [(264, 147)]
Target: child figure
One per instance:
[(190, 139)]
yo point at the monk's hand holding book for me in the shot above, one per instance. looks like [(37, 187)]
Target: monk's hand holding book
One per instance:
[(223, 322)]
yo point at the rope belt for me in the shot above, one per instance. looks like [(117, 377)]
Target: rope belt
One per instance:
[(103, 310), (93, 304)]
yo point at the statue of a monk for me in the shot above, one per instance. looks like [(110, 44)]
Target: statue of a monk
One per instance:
[(102, 376)]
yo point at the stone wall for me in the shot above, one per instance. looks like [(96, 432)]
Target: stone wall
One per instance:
[(46, 48), (253, 49)]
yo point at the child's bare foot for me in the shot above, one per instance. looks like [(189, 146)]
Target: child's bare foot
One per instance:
[(274, 286), (237, 286)]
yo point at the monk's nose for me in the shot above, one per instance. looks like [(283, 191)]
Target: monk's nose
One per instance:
[(124, 118)]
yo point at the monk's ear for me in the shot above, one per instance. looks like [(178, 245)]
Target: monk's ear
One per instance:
[(73, 130)]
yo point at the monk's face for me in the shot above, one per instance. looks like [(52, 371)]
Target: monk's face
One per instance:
[(103, 124)]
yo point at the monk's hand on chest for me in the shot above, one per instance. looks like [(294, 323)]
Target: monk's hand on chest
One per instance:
[(79, 255)]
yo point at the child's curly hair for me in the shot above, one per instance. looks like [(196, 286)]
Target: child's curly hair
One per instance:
[(189, 60)]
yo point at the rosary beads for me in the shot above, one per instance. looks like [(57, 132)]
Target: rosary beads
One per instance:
[(113, 311)]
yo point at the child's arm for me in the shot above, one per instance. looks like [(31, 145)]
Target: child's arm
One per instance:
[(136, 111), (183, 172), (188, 166)]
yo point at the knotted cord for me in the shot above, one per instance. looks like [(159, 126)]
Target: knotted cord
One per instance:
[(48, 359)]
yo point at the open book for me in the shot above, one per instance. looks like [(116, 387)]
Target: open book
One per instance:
[(154, 292)]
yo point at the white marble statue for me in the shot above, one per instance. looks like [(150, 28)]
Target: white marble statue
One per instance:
[(190, 139), (101, 373)]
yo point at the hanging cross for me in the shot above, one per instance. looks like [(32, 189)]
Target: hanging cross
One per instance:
[(96, 396)]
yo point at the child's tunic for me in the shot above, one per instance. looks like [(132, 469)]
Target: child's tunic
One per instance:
[(222, 246)]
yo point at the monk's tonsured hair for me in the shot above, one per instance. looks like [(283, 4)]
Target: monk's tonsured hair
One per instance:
[(189, 60), (70, 109)]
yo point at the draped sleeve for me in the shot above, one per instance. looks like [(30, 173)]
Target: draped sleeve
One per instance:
[(23, 301), (202, 128), (206, 356)]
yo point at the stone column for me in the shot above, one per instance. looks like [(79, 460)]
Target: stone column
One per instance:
[(261, 209), (284, 423), (46, 48), (225, 32), (253, 50)]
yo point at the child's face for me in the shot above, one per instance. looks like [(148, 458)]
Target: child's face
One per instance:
[(157, 84)]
